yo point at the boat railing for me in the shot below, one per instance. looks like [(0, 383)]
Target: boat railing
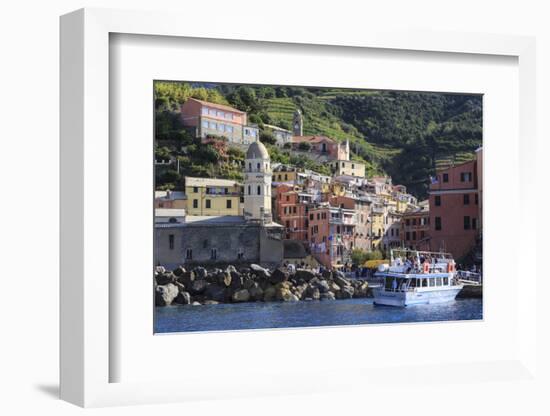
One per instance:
[(469, 277)]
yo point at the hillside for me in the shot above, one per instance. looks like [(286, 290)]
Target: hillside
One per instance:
[(404, 134)]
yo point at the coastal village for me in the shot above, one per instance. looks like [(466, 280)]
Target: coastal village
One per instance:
[(281, 214)]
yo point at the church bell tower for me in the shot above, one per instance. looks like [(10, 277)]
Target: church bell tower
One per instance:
[(257, 184), (298, 124)]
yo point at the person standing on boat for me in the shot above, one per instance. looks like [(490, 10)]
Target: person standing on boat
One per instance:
[(408, 265)]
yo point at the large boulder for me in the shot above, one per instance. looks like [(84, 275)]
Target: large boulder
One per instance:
[(278, 276), (212, 277), (248, 282), (215, 292), (326, 274), (197, 287), (230, 269), (328, 296), (183, 298), (200, 273), (283, 293), (259, 271), (304, 274), (270, 293), (361, 290), (165, 278), (165, 294), (256, 292), (333, 287), (340, 280), (179, 271), (224, 278), (312, 292), (323, 286), (345, 292), (186, 278), (241, 296), (237, 281), (160, 269)]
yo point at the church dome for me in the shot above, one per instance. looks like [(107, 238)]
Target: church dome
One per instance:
[(257, 151)]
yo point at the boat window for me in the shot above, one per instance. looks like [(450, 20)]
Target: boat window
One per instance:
[(438, 281), (446, 281), (432, 282), (424, 282), (413, 283)]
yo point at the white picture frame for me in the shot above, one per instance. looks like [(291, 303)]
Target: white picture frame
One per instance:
[(86, 353)]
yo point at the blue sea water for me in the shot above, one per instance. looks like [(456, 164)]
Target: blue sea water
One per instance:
[(258, 315)]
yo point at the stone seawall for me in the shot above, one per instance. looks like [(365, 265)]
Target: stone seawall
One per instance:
[(200, 286)]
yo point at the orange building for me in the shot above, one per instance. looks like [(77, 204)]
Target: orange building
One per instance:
[(454, 209), (292, 208)]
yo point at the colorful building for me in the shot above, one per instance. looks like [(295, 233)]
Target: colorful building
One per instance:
[(170, 199), (454, 209), (208, 197), (415, 229), (281, 136), (392, 230), (378, 214), (332, 232), (285, 174), (321, 146), (292, 207), (341, 167), (217, 120)]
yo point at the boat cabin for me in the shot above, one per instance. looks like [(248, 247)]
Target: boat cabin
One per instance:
[(395, 283)]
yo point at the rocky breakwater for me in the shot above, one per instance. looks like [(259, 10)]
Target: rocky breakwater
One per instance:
[(199, 286)]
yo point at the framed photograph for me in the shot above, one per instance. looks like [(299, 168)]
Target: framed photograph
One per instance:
[(240, 200)]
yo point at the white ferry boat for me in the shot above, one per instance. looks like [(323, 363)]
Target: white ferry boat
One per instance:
[(416, 277)]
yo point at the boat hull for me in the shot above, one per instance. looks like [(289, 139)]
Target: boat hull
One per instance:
[(382, 297)]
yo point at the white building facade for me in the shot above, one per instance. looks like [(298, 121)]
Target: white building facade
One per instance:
[(257, 184)]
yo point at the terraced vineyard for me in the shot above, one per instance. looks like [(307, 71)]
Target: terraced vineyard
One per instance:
[(407, 135)]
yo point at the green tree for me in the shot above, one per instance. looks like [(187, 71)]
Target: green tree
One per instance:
[(266, 136), (358, 256), (305, 146)]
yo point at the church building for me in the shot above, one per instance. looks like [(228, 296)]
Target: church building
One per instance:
[(226, 239)]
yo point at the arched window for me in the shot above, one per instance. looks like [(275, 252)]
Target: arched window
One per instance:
[(259, 190), (249, 190), (250, 166), (258, 166)]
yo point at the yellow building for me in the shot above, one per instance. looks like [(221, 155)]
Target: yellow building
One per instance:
[(285, 176), (378, 226), (348, 167), (337, 189), (206, 196)]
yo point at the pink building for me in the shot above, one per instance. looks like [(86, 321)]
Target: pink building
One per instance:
[(332, 234), (322, 146), (217, 120), (454, 209)]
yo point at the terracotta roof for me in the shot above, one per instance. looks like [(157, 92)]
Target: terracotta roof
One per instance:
[(310, 139), (218, 106)]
